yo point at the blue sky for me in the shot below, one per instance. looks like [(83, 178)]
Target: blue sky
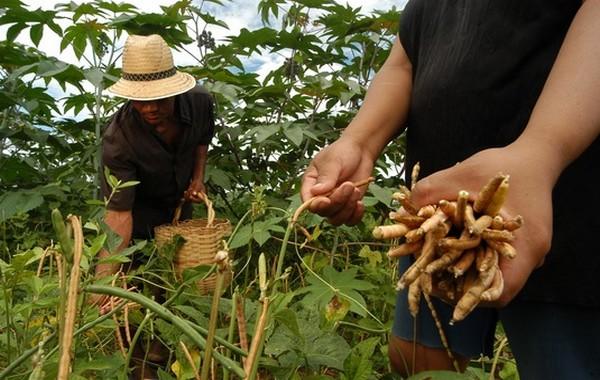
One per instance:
[(237, 14)]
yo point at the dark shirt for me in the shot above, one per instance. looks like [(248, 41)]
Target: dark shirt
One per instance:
[(478, 69), (134, 151)]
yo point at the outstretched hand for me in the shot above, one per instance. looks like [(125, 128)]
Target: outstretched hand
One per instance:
[(336, 167), (530, 195)]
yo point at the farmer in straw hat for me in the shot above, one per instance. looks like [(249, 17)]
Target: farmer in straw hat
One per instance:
[(159, 137)]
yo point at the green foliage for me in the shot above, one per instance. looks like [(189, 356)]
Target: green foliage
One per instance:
[(310, 346), (333, 283), (331, 313)]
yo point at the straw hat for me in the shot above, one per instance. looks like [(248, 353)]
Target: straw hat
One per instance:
[(148, 71)]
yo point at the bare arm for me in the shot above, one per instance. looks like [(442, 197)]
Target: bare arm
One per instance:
[(121, 222), (384, 110), (352, 156), (564, 122), (566, 118), (197, 184)]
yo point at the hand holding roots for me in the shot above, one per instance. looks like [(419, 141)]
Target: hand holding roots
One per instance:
[(456, 245)]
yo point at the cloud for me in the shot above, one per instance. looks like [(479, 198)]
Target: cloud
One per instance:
[(237, 14)]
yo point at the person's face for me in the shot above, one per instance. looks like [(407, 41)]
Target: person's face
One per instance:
[(155, 112)]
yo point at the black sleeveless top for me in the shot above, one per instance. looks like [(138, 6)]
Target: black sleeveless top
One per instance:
[(478, 69)]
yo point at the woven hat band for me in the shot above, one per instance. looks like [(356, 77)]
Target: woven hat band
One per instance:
[(145, 77)]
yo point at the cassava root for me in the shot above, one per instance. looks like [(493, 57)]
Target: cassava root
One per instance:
[(456, 245)]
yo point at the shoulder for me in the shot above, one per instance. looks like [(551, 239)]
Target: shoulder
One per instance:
[(114, 138), (197, 94), (119, 121)]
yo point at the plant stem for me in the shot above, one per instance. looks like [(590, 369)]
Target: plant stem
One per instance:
[(136, 336), (8, 324), (257, 341), (336, 239), (66, 340), (282, 251), (25, 355), (162, 312), (497, 356), (212, 323), (231, 330), (363, 328), (98, 154)]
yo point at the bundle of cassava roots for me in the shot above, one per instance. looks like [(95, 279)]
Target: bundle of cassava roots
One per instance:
[(456, 245)]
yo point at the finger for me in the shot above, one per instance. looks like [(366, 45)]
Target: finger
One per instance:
[(345, 213), (340, 199), (357, 215), (308, 181), (326, 174), (438, 186)]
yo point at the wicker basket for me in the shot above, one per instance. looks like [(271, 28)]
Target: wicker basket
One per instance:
[(203, 238)]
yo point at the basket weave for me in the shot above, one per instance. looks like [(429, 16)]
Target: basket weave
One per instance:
[(203, 238)]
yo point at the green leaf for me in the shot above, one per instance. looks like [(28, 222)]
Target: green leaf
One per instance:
[(314, 347), (383, 195), (509, 371), (98, 363), (50, 68), (241, 237), (128, 184), (118, 258), (18, 202), (294, 133), (209, 19), (94, 76), (96, 245), (333, 283), (374, 257), (134, 248), (13, 32), (314, 3), (263, 132), (261, 236), (35, 33), (359, 365), (288, 319)]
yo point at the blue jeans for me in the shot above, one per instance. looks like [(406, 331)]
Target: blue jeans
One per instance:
[(549, 341)]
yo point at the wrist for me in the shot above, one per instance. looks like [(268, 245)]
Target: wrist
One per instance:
[(353, 135), (540, 153)]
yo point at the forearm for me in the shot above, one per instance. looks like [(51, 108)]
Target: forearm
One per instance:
[(120, 222), (383, 112), (200, 163), (566, 118)]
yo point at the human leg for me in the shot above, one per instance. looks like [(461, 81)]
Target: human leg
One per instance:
[(552, 341), (418, 340)]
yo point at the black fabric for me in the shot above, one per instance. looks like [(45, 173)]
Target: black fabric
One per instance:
[(478, 69), (133, 151)]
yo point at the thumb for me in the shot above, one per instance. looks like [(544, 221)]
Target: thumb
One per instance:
[(321, 177), (435, 187)]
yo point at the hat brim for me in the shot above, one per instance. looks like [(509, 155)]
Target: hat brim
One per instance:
[(155, 89)]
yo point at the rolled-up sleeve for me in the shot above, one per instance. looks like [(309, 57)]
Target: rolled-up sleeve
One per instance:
[(116, 158), (207, 119)]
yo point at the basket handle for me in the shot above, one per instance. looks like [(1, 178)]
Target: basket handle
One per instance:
[(209, 208)]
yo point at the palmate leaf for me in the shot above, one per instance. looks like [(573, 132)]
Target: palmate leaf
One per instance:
[(17, 202), (383, 195), (294, 133), (260, 232), (358, 365), (312, 347), (252, 40), (343, 284)]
